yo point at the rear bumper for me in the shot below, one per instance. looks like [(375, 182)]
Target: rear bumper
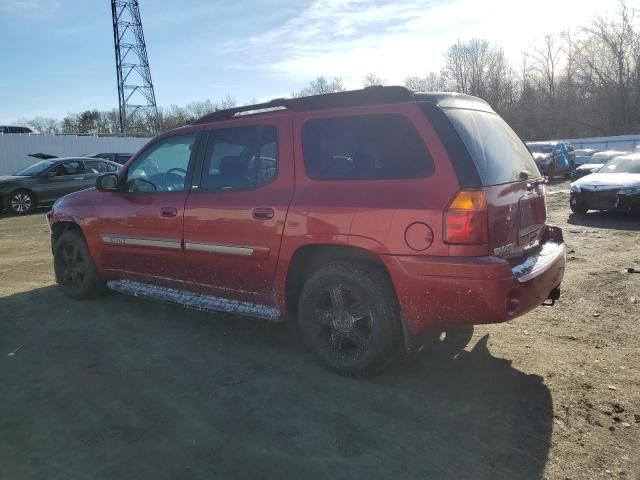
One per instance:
[(445, 291)]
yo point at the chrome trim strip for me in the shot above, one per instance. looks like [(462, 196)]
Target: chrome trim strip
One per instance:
[(214, 248), (141, 242)]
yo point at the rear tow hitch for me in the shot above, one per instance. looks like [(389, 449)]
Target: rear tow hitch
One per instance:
[(553, 296)]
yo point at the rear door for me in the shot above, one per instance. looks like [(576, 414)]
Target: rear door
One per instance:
[(235, 218), (95, 168), (510, 177)]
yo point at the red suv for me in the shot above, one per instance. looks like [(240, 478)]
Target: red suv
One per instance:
[(373, 217)]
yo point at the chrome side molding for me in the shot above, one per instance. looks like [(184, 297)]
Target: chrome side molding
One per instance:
[(195, 301), (214, 248), (141, 242)]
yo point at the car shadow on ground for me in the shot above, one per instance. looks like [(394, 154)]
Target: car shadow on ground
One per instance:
[(123, 388), (608, 220)]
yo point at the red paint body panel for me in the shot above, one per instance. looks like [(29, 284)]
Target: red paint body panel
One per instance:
[(439, 292), (438, 286), (228, 218)]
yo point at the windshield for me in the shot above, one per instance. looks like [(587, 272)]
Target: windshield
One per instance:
[(498, 153), (540, 148), (35, 169), (622, 165)]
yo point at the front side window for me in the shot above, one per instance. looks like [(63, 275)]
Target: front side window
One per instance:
[(163, 166), (240, 158), (364, 147), (68, 168)]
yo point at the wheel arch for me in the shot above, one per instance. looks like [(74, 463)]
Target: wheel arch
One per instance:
[(60, 227), (308, 258)]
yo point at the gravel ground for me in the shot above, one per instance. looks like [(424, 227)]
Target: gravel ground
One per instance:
[(123, 388)]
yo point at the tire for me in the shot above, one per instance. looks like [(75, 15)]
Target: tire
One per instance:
[(349, 316), (75, 271), (20, 202), (577, 206)]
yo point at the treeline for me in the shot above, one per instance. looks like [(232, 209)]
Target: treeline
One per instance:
[(567, 86)]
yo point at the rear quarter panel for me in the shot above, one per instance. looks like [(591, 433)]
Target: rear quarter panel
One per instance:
[(369, 214)]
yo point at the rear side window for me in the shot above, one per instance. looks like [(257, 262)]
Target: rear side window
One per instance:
[(496, 150), (96, 167), (364, 147), (240, 158)]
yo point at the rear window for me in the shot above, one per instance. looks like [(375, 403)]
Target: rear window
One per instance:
[(364, 147), (497, 152)]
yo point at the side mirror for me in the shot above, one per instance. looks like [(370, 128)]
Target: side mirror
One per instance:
[(109, 182), (50, 173)]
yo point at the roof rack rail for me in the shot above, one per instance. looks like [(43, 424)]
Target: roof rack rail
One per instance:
[(351, 98)]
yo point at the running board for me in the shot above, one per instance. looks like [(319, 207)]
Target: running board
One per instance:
[(203, 303)]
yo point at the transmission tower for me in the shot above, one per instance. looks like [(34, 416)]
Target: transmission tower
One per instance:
[(136, 98)]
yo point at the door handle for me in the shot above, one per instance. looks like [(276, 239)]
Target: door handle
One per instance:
[(263, 213), (168, 211), (78, 178)]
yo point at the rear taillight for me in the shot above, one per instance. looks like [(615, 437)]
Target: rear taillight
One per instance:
[(465, 221)]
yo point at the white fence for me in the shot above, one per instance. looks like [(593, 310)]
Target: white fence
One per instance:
[(624, 143), (15, 148)]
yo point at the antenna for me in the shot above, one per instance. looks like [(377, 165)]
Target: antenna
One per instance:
[(136, 97)]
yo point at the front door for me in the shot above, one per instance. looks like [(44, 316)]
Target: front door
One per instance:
[(61, 179), (234, 220), (141, 226)]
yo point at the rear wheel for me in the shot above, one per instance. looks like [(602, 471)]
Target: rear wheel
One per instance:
[(349, 316), (577, 206), (21, 202), (74, 269)]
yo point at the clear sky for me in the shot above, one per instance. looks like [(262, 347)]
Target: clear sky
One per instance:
[(57, 55)]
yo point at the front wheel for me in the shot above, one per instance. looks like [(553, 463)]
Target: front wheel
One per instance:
[(349, 316), (74, 268), (21, 202)]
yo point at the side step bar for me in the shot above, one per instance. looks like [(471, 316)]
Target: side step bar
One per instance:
[(204, 303)]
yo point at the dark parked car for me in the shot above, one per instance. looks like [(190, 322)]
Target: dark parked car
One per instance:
[(583, 155), (372, 217), (596, 161), (553, 158), (615, 186), (17, 129), (120, 158), (44, 182)]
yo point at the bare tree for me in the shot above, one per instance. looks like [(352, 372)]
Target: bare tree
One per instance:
[(545, 61), (319, 86), (46, 125), (373, 80), (432, 82)]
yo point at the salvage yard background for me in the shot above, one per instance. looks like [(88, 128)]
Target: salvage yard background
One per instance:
[(122, 388)]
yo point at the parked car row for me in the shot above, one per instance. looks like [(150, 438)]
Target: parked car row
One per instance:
[(553, 158), (42, 183), (45, 181), (595, 162), (613, 186)]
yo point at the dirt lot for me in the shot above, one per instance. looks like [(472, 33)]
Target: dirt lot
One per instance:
[(122, 388)]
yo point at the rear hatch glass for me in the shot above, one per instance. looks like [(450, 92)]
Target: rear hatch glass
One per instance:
[(498, 153), (516, 206)]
